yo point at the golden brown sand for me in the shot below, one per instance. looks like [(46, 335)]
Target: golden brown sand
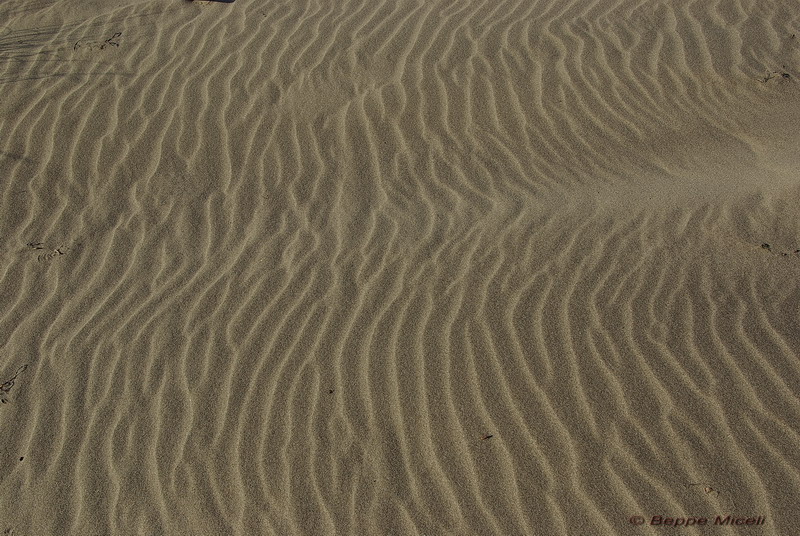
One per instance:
[(399, 267)]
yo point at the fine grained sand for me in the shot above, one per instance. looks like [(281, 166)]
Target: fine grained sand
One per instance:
[(399, 267)]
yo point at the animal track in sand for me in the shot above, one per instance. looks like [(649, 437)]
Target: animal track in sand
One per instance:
[(51, 254), (783, 74), (8, 384), (98, 45), (767, 247), (709, 490)]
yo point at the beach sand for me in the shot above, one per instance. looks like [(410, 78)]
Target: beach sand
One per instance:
[(401, 267)]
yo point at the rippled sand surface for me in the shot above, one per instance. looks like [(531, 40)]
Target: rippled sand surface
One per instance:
[(399, 267)]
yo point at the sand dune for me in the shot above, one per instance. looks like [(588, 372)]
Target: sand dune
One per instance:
[(399, 267)]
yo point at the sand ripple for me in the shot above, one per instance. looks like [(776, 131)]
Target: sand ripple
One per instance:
[(398, 267)]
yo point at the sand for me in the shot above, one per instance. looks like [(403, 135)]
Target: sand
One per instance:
[(399, 267)]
